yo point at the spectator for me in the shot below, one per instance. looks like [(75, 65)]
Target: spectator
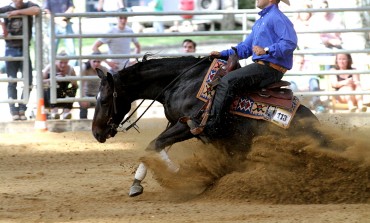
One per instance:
[(109, 5), (118, 45), (305, 83), (64, 88), (2, 50), (90, 88), (347, 82), (63, 25), (157, 6), (14, 48), (189, 46), (328, 20), (303, 23)]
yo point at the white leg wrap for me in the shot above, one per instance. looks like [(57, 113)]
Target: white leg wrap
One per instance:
[(171, 166), (140, 172), (164, 155)]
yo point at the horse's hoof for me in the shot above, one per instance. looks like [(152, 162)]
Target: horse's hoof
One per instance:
[(136, 190)]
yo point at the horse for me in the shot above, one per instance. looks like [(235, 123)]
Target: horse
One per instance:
[(174, 82)]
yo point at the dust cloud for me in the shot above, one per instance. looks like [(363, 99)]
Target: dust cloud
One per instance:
[(276, 170)]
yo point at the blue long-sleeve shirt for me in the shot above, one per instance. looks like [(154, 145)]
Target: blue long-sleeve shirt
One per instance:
[(273, 30)]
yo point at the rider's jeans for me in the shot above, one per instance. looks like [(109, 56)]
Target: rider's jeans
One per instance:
[(12, 68), (252, 76)]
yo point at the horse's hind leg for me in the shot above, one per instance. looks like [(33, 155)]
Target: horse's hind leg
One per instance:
[(136, 188), (322, 138)]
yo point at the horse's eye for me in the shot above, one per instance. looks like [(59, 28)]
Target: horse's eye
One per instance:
[(102, 100)]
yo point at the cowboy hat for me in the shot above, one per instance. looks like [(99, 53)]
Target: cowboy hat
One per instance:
[(286, 2)]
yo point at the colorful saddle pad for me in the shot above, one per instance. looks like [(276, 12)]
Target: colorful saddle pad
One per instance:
[(247, 106)]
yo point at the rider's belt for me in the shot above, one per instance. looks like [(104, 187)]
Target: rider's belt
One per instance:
[(275, 66)]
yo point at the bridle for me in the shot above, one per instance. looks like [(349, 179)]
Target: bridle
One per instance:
[(114, 126), (110, 122)]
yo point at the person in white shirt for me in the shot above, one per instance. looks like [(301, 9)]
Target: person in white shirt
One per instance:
[(118, 45), (109, 5), (64, 88)]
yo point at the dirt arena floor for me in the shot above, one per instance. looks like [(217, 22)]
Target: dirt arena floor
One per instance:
[(70, 177)]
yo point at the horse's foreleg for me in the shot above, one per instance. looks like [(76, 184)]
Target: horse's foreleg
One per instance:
[(163, 154), (176, 133), (136, 188), (171, 165)]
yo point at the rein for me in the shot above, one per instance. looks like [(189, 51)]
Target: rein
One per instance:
[(110, 121), (133, 112)]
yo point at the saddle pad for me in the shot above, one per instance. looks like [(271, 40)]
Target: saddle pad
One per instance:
[(247, 106), (205, 92)]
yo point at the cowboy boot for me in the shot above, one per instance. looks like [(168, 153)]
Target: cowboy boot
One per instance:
[(217, 112)]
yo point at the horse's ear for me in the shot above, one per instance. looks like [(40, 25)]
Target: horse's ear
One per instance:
[(100, 73), (110, 77), (145, 57)]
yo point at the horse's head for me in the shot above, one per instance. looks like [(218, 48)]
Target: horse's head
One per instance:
[(112, 104)]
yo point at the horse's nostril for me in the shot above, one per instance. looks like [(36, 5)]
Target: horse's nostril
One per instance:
[(98, 137)]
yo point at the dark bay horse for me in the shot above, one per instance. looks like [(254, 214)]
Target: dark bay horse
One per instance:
[(174, 82)]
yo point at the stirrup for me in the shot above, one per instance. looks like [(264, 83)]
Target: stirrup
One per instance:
[(195, 129)]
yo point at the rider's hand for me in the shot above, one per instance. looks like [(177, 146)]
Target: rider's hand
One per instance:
[(259, 50), (215, 54)]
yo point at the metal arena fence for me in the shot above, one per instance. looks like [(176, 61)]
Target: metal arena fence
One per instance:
[(245, 16)]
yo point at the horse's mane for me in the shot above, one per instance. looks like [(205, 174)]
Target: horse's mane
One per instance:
[(159, 67), (148, 56), (150, 61)]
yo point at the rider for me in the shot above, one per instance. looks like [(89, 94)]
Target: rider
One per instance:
[(271, 45)]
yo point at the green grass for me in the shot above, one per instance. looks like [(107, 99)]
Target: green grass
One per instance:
[(170, 41), (177, 41), (149, 42)]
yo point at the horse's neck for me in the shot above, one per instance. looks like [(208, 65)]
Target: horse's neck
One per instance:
[(154, 78)]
